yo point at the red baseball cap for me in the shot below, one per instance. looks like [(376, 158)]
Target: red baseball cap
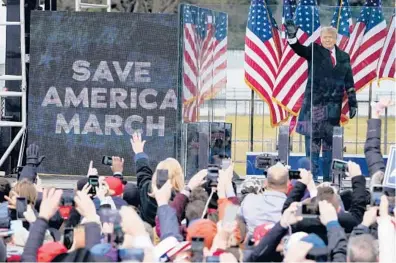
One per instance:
[(48, 251), (115, 184)]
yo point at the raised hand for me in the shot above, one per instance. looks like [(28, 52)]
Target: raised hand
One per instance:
[(306, 177), (354, 169), (289, 216), (327, 212), (91, 169), (291, 29), (32, 155), (117, 164), (198, 179), (163, 195), (85, 206), (137, 143), (50, 203)]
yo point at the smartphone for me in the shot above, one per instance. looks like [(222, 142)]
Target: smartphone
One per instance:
[(162, 177), (230, 214), (339, 165), (213, 175), (225, 163), (197, 246), (93, 180), (294, 174), (309, 211), (107, 160), (68, 237), (21, 207), (376, 193), (67, 204)]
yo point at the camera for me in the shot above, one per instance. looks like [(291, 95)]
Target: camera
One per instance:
[(265, 161), (339, 166)]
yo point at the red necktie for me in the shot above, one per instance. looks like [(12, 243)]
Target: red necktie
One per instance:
[(332, 58)]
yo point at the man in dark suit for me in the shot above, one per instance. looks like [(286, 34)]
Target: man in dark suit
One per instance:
[(330, 75)]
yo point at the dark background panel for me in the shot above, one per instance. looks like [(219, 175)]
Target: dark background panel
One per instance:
[(58, 39)]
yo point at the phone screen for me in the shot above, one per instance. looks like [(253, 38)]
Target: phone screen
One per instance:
[(213, 174), (340, 165), (21, 207), (294, 175), (309, 211), (68, 237), (107, 160), (376, 194), (162, 177), (93, 180)]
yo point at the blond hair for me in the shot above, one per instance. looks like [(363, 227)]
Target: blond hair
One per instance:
[(329, 29), (26, 188), (175, 173)]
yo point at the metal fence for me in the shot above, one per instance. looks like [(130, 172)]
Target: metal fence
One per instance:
[(237, 111)]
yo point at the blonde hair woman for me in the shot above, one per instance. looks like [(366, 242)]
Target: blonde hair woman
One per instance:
[(146, 177), (175, 173)]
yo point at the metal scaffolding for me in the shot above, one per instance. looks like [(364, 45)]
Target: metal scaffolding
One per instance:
[(21, 135), (80, 5)]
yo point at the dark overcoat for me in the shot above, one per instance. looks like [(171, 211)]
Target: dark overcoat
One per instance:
[(325, 88)]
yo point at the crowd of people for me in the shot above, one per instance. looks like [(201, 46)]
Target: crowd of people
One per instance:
[(203, 220)]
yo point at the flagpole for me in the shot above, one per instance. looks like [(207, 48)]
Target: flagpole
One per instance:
[(251, 119), (339, 15), (370, 100)]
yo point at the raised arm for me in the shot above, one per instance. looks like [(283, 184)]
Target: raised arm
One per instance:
[(372, 147), (301, 50)]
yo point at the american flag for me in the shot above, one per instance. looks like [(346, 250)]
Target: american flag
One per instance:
[(204, 57), (365, 45), (386, 64), (215, 65), (190, 63), (289, 9), (293, 71), (262, 56), (342, 21)]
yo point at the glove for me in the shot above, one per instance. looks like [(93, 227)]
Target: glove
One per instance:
[(352, 112), (32, 155), (291, 29)]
